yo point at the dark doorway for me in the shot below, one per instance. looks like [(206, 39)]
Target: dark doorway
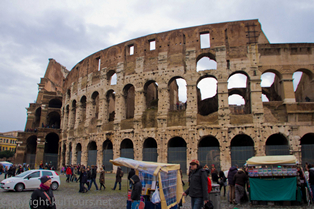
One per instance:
[(208, 152), (277, 144), (107, 155), (150, 150), (51, 149), (307, 148), (31, 146), (242, 148), (177, 152), (92, 153), (78, 153)]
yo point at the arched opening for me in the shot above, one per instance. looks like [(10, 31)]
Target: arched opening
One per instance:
[(271, 87), (303, 85), (92, 153), (207, 96), (68, 93), (55, 103), (150, 150), (307, 148), (53, 120), (78, 153), (70, 153), (73, 113), (51, 149), (83, 108), (177, 93), (277, 144), (63, 154), (67, 114), (242, 148), (111, 98), (107, 154), (177, 152), (112, 77), (238, 83), (37, 118), (208, 152), (126, 150), (129, 98), (31, 146), (151, 94), (95, 103), (206, 63)]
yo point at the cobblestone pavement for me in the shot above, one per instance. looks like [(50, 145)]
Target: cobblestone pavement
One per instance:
[(67, 196)]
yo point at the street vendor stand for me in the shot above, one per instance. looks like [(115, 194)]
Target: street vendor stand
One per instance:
[(273, 178), (166, 176)]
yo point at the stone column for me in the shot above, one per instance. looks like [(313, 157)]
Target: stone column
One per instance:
[(67, 154), (102, 109), (288, 95), (191, 107), (84, 155), (43, 115), (89, 112), (139, 104), (74, 155), (223, 106), (40, 151), (163, 106), (225, 152), (99, 155)]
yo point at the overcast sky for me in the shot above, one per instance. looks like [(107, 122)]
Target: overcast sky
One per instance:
[(31, 32)]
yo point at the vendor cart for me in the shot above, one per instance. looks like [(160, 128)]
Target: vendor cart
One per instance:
[(162, 176), (273, 179)]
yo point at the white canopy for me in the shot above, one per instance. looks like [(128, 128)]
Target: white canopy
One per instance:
[(272, 160)]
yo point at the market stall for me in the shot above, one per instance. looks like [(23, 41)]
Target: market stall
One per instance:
[(273, 178), (164, 177)]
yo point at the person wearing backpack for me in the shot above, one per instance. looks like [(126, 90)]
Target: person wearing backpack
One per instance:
[(119, 175)]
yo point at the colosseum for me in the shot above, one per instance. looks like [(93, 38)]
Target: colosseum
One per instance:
[(125, 101)]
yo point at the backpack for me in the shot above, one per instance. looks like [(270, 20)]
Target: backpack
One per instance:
[(121, 173)]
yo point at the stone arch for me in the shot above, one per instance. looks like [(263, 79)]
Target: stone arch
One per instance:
[(78, 150), (95, 104), (92, 153), (70, 153), (129, 100), (63, 154), (307, 148), (51, 149), (208, 151), (55, 103), (53, 119), (272, 91), (304, 91), (126, 148), (175, 102), (277, 144), (111, 100), (209, 104), (110, 76), (150, 150), (151, 94), (246, 91), (83, 108), (73, 110), (37, 117), (242, 148), (206, 61), (177, 152), (31, 148), (107, 154)]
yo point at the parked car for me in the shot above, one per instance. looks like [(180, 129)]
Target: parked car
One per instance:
[(30, 180)]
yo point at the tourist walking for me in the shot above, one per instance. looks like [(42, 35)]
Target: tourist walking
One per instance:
[(232, 171), (89, 177), (43, 196), (102, 179), (119, 175), (68, 173), (240, 178), (311, 178), (222, 181), (93, 177), (198, 189), (83, 180), (136, 192), (130, 175)]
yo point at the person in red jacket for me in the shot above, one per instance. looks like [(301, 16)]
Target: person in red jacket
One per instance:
[(209, 184), (68, 173)]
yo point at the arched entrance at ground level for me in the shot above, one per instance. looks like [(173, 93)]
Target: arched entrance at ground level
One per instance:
[(242, 148), (107, 154), (307, 148), (208, 152), (126, 150), (78, 153), (277, 144), (31, 146), (92, 153), (150, 150), (70, 154), (51, 149), (177, 152)]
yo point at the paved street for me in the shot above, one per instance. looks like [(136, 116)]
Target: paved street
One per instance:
[(67, 196)]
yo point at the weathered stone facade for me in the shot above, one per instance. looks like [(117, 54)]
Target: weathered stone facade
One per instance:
[(142, 103)]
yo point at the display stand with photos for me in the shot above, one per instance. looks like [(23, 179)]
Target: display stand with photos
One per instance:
[(163, 177), (273, 179)]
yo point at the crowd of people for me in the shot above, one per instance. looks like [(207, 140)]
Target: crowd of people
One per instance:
[(14, 169)]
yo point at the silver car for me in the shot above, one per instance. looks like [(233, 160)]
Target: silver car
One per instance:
[(30, 180)]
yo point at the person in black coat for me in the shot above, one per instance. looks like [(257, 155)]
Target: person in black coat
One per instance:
[(222, 181), (43, 196), (232, 171), (198, 189), (89, 177), (93, 177), (136, 191), (82, 179), (131, 174)]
